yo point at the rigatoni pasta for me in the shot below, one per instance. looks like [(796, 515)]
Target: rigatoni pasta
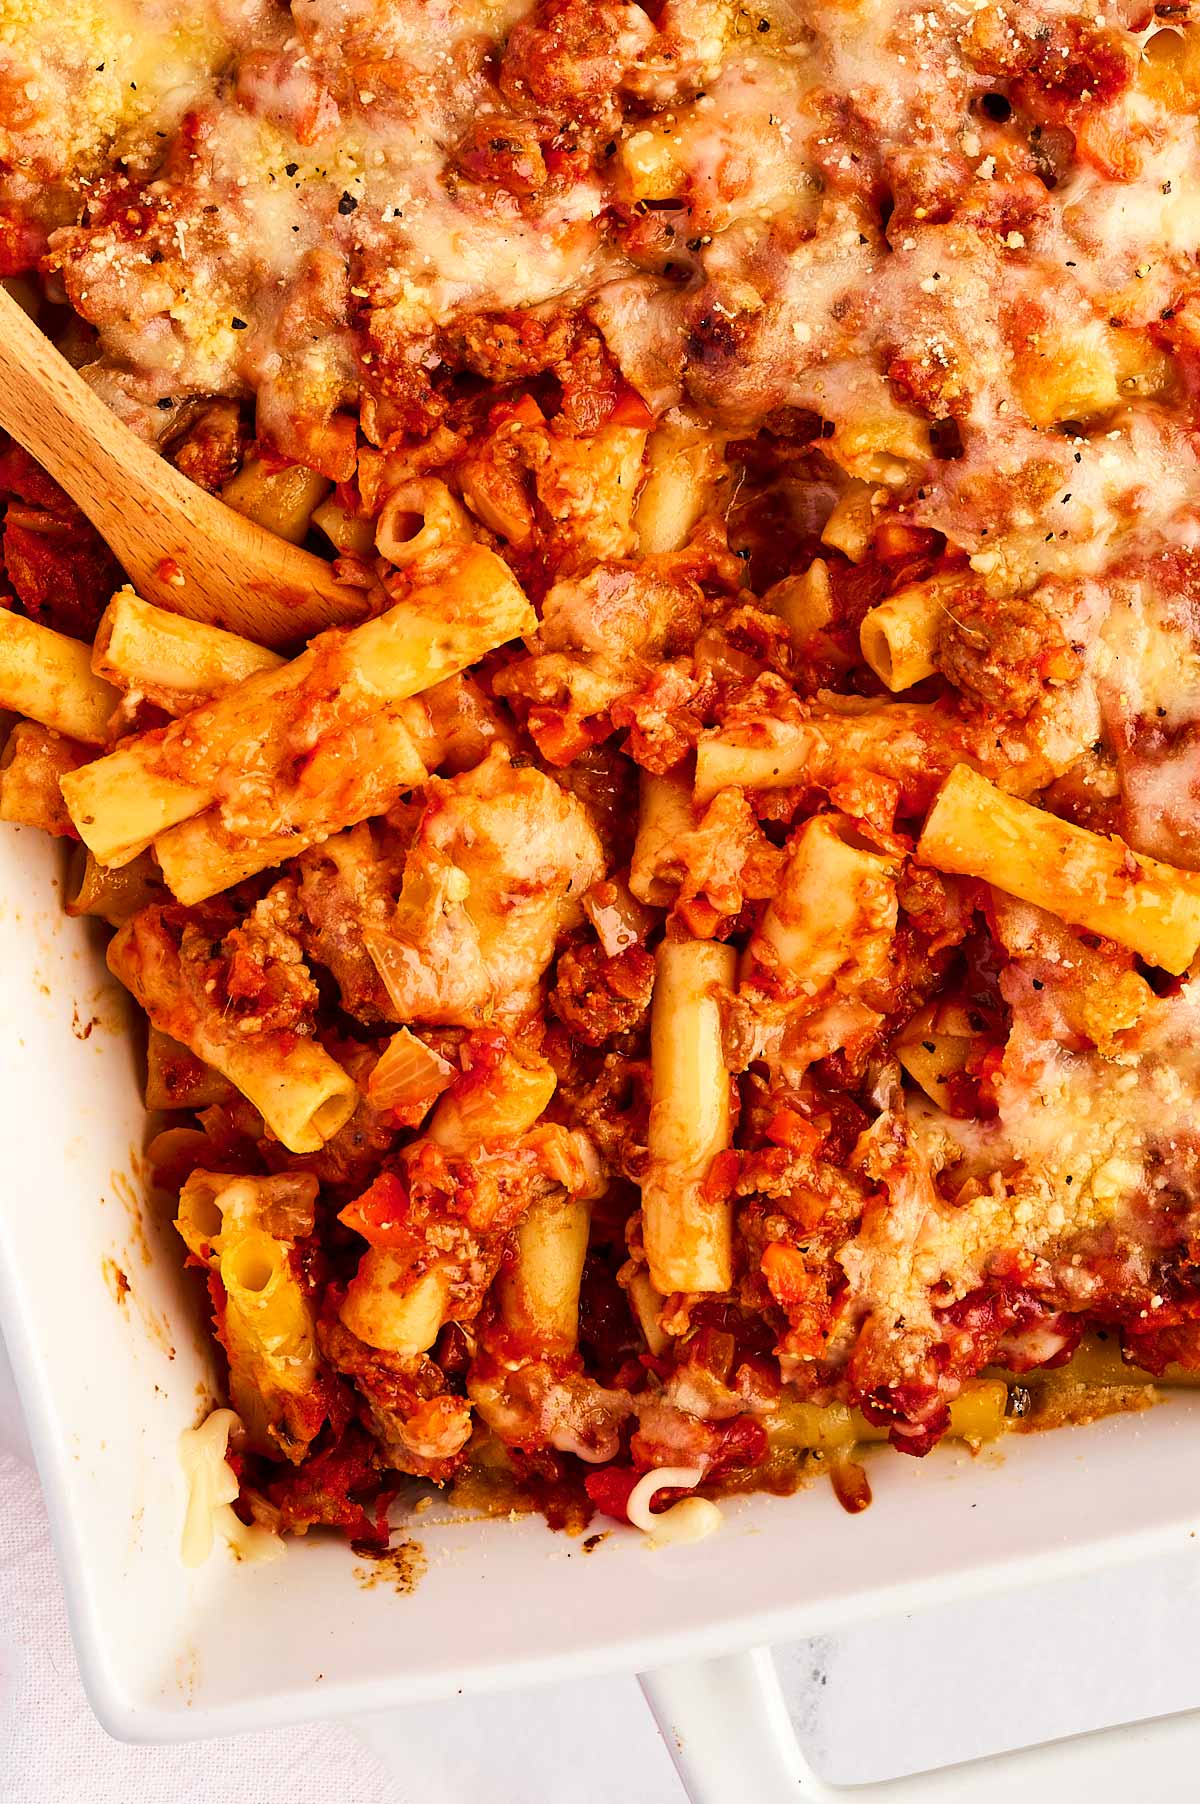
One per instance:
[(302, 1094), (355, 774), (834, 914), (281, 500), (113, 895), (174, 661), (537, 1293), (388, 1307), (664, 816), (246, 1230), (899, 637)]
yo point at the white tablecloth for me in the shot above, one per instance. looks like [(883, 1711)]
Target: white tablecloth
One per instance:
[(920, 1691)]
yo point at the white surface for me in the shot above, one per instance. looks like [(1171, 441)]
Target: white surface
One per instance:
[(727, 1725), (977, 1679), (918, 1691), (52, 1749)]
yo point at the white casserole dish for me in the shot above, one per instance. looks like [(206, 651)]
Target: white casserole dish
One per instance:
[(109, 1379)]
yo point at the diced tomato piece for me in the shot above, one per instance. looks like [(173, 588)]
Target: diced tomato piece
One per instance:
[(630, 410), (698, 915), (743, 1443), (721, 1175), (561, 738), (791, 1283), (524, 410), (787, 1127), (610, 1489), (379, 1214)]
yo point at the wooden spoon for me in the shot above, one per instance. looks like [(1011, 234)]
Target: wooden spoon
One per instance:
[(181, 547)]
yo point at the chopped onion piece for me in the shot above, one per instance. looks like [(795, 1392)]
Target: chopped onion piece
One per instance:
[(620, 921), (569, 1157), (409, 1078)]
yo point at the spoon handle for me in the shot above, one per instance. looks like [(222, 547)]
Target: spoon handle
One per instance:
[(181, 547)]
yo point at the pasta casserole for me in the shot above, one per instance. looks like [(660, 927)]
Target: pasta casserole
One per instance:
[(701, 973)]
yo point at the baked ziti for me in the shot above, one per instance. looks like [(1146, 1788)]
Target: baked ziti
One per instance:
[(704, 975)]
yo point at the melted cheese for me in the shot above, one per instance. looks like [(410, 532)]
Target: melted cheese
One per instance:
[(337, 144), (736, 152), (691, 1519), (1152, 224), (1148, 658), (212, 1490), (1081, 1144), (818, 210), (108, 78), (1144, 661)]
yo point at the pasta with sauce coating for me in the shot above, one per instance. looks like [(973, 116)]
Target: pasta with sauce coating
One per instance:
[(124, 801), (706, 973), (303, 1095)]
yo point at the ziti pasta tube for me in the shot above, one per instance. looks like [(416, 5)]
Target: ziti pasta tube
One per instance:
[(388, 1308), (112, 895), (385, 1305), (899, 637), (361, 773), (217, 1208), (538, 1290), (177, 1079), (683, 461), (664, 813), (49, 678), (834, 912), (282, 501), (236, 748), (686, 1227), (245, 1229), (976, 830), (270, 1340), (302, 1094), (976, 1414), (900, 740), (173, 661)]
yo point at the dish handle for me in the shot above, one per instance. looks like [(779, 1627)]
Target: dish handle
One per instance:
[(728, 1730)]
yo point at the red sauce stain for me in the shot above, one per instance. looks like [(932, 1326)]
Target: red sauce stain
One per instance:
[(168, 571), (116, 1281), (83, 1029)]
